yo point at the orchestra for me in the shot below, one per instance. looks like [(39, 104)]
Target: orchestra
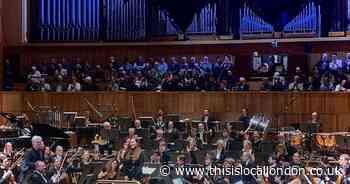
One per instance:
[(57, 164)]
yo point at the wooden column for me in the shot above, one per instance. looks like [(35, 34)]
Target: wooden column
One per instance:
[(1, 46)]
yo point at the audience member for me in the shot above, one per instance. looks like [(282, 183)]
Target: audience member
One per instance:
[(180, 74)]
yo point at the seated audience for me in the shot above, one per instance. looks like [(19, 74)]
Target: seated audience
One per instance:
[(179, 74)]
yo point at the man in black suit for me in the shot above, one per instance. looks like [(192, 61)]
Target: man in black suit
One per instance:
[(218, 154), (207, 120), (228, 140), (162, 155), (38, 176), (172, 136), (31, 157), (244, 118)]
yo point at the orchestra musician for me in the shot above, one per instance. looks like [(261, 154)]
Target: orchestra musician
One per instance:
[(257, 139), (280, 153), (344, 169), (205, 179), (131, 135), (137, 124), (192, 150), (6, 174), (8, 151), (315, 121), (162, 155), (59, 153), (159, 120), (82, 166), (159, 136), (296, 160), (228, 140), (244, 118), (171, 134), (218, 154), (273, 179), (248, 161), (226, 179), (47, 155), (201, 135), (207, 119), (313, 126), (110, 172), (133, 161), (113, 118), (36, 153), (57, 174), (180, 163), (38, 176), (193, 137), (108, 136)]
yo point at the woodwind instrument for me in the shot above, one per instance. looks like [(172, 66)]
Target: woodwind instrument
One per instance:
[(93, 108)]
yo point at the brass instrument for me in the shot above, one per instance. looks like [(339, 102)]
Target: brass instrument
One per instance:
[(93, 108), (99, 141), (326, 140), (18, 160)]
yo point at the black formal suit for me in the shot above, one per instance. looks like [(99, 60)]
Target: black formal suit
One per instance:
[(217, 156), (209, 119), (228, 144), (172, 136), (165, 157), (38, 178), (28, 165), (31, 157), (245, 120), (249, 179), (133, 168)]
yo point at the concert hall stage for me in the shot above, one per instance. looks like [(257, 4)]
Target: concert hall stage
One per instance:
[(285, 107)]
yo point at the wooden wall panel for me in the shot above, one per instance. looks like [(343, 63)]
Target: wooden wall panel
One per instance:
[(334, 108), (12, 102), (12, 21), (2, 43)]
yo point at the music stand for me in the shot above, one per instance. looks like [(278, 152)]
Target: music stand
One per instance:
[(172, 117), (79, 121), (237, 125), (180, 125), (124, 123), (68, 118), (147, 121)]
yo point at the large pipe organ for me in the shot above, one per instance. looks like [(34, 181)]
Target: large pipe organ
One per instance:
[(136, 20)]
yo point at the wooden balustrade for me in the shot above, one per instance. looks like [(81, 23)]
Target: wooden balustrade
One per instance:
[(333, 108)]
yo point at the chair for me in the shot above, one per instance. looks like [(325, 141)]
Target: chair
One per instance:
[(124, 123)]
